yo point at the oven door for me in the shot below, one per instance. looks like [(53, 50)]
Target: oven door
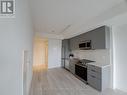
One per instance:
[(81, 72), (82, 45)]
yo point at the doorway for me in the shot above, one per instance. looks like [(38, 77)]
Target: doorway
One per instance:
[(40, 58)]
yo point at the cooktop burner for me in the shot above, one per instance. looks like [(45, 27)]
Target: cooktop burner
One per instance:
[(84, 62)]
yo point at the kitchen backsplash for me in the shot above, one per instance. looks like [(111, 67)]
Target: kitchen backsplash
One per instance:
[(100, 56)]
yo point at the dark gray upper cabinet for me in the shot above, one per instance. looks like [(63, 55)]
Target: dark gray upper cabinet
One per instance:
[(65, 48), (74, 42), (100, 38)]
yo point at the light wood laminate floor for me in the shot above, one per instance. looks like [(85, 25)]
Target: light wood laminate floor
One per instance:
[(58, 81)]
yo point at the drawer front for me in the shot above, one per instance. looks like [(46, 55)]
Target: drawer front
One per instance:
[(94, 69), (94, 73), (72, 65), (72, 70), (94, 82)]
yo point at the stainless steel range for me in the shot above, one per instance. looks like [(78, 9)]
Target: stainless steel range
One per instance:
[(81, 68)]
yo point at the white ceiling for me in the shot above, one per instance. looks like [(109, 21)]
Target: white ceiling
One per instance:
[(67, 16)]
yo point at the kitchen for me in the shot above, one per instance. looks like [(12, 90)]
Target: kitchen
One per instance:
[(87, 56)]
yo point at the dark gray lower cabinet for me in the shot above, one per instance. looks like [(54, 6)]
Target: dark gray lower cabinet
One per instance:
[(98, 77), (72, 65), (94, 82)]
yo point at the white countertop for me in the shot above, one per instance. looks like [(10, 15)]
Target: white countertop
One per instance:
[(99, 64)]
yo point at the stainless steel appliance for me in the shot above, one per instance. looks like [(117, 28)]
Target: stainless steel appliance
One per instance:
[(65, 54), (81, 69), (85, 45)]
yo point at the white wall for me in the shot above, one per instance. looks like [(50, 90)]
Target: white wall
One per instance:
[(16, 35), (54, 52), (120, 57)]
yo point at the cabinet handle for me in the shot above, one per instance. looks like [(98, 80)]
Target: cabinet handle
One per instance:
[(93, 76), (93, 70)]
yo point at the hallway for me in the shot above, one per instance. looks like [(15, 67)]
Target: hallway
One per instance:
[(58, 81)]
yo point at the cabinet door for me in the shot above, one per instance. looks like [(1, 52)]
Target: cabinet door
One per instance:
[(67, 64), (97, 37), (62, 49), (100, 38), (82, 38), (72, 67), (94, 82), (65, 48), (74, 43)]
